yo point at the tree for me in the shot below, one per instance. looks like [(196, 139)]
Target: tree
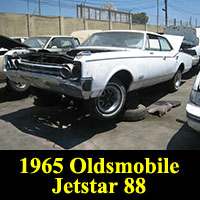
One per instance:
[(109, 6), (140, 18)]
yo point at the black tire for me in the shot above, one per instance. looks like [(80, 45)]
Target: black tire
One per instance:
[(45, 98), (111, 102), (175, 82), (132, 100), (17, 87), (135, 114)]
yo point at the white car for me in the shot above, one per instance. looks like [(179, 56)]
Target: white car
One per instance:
[(7, 44), (193, 106), (104, 69), (52, 43)]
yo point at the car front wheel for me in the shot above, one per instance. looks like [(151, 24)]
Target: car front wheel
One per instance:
[(111, 102), (17, 87)]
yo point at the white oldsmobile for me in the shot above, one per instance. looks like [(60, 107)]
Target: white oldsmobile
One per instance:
[(106, 68)]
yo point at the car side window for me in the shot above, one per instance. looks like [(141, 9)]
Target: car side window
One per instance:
[(153, 43), (165, 45)]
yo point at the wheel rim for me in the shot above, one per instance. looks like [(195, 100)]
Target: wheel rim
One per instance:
[(178, 80), (110, 101), (20, 85)]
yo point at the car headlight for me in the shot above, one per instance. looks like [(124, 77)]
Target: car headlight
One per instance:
[(195, 97), (76, 71), (72, 71), (65, 71)]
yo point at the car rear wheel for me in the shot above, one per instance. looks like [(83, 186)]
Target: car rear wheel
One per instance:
[(111, 102), (175, 82)]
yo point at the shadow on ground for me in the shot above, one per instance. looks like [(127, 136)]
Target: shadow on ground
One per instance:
[(184, 139), (152, 94), (9, 95), (66, 127), (69, 126)]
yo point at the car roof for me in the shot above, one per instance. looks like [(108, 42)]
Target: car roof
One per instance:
[(51, 36), (131, 31)]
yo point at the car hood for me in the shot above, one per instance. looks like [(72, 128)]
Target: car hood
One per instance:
[(175, 41), (8, 43), (87, 50)]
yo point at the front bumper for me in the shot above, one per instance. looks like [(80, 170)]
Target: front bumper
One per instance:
[(193, 116), (78, 89)]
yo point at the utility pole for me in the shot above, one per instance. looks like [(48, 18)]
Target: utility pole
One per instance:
[(59, 8), (190, 22), (27, 6), (39, 7), (157, 14), (166, 14)]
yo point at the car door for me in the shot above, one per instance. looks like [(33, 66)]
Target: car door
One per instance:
[(157, 60), (169, 55)]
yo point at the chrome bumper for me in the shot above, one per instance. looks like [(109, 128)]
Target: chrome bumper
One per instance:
[(193, 119), (77, 89)]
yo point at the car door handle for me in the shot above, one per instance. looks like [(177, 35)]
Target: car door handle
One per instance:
[(164, 58), (151, 53)]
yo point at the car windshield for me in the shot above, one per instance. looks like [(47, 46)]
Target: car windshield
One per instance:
[(37, 42), (61, 42), (116, 39)]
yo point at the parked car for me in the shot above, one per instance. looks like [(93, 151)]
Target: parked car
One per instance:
[(7, 44), (193, 106), (83, 34), (53, 43), (20, 39), (103, 70), (2, 75), (50, 43), (190, 43)]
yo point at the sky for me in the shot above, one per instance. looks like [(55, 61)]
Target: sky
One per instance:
[(181, 10)]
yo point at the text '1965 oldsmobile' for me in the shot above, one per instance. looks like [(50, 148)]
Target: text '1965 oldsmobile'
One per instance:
[(103, 70)]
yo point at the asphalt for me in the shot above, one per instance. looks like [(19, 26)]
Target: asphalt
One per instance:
[(26, 126)]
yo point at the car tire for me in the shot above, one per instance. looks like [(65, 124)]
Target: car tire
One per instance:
[(45, 98), (132, 100), (135, 114), (111, 102), (17, 87), (175, 82)]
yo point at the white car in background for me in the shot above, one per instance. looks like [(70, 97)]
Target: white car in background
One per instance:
[(50, 43), (53, 43), (193, 106), (83, 34), (20, 39), (7, 44)]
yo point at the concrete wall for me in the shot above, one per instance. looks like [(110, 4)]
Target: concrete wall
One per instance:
[(13, 25), (32, 25)]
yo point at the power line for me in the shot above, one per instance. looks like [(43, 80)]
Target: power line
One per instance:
[(136, 7)]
